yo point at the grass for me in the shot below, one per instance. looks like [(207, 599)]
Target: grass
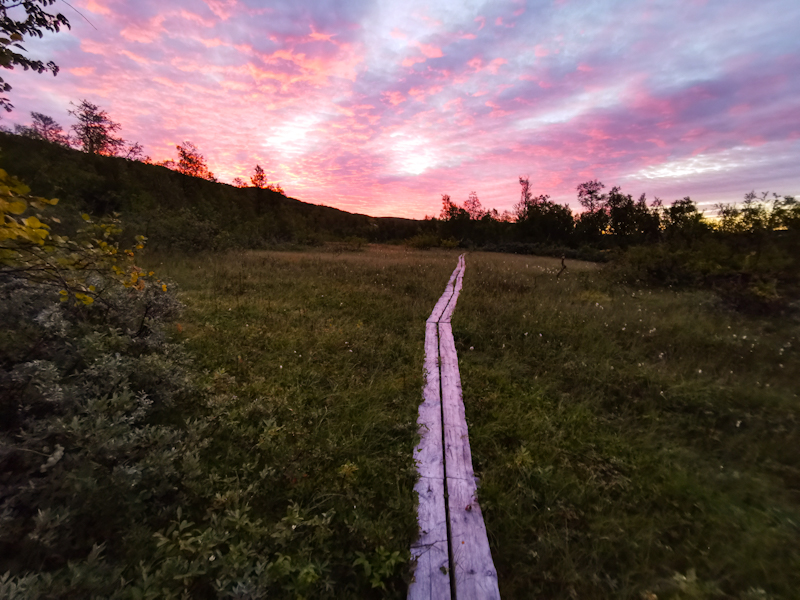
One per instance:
[(313, 369), (631, 443)]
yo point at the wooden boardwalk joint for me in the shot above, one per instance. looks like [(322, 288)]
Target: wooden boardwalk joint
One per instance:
[(452, 552)]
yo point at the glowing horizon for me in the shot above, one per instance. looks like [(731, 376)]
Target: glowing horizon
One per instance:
[(381, 107)]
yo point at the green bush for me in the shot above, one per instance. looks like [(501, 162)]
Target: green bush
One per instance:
[(87, 468)]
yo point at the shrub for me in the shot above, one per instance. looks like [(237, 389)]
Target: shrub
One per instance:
[(86, 468)]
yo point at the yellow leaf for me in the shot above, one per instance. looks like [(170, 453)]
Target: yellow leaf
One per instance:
[(16, 207), (34, 222), (164, 287), (86, 217), (63, 292), (91, 288)]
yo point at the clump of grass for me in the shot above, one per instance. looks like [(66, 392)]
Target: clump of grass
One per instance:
[(631, 442)]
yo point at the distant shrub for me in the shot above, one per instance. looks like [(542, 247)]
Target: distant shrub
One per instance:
[(587, 253), (355, 242), (424, 241), (761, 279)]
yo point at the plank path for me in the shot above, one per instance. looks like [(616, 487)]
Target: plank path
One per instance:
[(452, 553)]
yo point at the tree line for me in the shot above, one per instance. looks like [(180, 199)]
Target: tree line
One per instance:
[(612, 219), (96, 133)]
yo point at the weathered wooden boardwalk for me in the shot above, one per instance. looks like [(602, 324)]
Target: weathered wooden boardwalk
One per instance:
[(452, 552)]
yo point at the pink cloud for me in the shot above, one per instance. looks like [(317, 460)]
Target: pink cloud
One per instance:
[(224, 9), (393, 98), (430, 50), (97, 8), (496, 64), (410, 61), (146, 32), (82, 71)]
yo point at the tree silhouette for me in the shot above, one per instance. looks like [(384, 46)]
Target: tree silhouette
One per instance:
[(13, 31), (259, 178), (451, 211), (474, 207), (191, 162), (590, 197), (94, 130), (43, 128), (239, 182), (135, 151)]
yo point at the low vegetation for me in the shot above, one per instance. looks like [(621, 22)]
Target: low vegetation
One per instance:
[(632, 441), (259, 443)]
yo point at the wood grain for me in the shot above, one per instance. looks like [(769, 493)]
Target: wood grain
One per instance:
[(475, 575)]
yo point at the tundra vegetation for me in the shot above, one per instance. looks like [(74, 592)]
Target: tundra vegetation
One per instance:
[(228, 409)]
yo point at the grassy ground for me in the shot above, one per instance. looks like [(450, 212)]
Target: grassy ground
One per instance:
[(313, 363), (631, 443)]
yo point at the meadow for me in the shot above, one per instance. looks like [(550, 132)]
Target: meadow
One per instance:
[(631, 442)]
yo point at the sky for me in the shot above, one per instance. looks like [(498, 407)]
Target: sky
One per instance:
[(381, 106)]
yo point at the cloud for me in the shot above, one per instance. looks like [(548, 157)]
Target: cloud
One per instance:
[(379, 107)]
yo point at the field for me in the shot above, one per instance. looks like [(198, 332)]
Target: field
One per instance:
[(631, 442)]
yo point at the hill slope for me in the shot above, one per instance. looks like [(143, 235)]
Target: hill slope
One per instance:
[(175, 210)]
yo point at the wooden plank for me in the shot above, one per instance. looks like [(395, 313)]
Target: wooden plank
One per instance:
[(431, 574), (430, 551), (456, 439), (431, 516), (475, 575), (430, 392), (442, 411), (447, 313), (428, 453)]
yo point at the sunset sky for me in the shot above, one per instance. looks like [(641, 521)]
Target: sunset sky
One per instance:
[(381, 106)]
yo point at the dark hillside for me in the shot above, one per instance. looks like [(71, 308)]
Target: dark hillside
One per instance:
[(177, 210)]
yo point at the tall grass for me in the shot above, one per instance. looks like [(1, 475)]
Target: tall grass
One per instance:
[(631, 442), (313, 370)]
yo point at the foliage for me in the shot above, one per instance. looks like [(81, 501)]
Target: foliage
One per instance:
[(632, 441), (474, 207), (259, 178), (86, 370), (13, 31), (94, 131), (192, 163), (590, 197), (542, 220), (451, 211), (44, 128)]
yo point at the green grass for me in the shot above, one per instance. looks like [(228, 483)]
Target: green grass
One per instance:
[(634, 444), (313, 364), (629, 441)]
